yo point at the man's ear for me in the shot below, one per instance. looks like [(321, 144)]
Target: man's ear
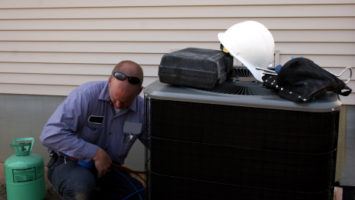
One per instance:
[(109, 80), (140, 90)]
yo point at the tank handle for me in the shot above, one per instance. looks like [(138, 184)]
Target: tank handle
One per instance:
[(23, 146)]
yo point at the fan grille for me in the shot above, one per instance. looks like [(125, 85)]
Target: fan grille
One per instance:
[(241, 71), (241, 83)]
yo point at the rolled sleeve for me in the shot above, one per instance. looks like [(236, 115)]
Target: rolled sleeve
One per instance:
[(60, 132)]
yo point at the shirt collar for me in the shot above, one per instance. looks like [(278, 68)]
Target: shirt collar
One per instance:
[(105, 96)]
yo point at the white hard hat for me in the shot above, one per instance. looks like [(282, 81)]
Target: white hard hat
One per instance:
[(252, 44)]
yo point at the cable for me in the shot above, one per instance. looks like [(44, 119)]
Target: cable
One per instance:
[(138, 174), (133, 193), (133, 186)]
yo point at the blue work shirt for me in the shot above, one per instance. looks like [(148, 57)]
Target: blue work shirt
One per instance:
[(86, 120)]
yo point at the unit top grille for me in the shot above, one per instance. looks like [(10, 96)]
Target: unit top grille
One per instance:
[(237, 87), (242, 83)]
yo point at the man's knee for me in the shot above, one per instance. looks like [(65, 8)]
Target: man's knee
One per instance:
[(73, 182), (78, 189)]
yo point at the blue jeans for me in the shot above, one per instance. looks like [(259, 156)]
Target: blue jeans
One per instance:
[(73, 182)]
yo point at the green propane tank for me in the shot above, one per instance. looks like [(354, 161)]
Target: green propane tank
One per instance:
[(24, 172)]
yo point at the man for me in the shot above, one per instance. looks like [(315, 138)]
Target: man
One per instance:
[(90, 134)]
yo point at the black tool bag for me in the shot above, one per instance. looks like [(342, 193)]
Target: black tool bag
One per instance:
[(302, 80), (195, 67)]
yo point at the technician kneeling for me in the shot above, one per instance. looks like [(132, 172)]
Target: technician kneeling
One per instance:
[(92, 131)]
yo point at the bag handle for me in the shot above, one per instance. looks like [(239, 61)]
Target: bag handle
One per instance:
[(344, 70)]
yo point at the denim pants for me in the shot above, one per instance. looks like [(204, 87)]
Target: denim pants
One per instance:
[(74, 182)]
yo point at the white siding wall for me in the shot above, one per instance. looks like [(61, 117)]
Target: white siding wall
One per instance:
[(48, 47)]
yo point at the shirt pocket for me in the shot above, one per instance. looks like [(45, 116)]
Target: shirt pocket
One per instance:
[(131, 131), (91, 132), (128, 140)]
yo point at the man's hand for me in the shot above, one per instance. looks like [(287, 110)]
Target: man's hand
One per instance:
[(102, 162)]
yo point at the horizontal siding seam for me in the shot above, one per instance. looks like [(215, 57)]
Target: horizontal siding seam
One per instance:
[(185, 18), (148, 53), (38, 84), (179, 5)]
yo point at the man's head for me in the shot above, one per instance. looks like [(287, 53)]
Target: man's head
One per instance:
[(125, 83)]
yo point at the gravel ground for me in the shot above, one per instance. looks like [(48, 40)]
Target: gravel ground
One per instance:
[(50, 195), (2, 192)]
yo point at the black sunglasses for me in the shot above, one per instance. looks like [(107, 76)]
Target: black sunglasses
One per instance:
[(122, 76)]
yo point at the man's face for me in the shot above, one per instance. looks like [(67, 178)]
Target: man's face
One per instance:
[(122, 92)]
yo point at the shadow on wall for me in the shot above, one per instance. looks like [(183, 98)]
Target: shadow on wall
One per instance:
[(25, 115)]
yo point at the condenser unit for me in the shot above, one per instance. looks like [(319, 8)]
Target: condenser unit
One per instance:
[(239, 141)]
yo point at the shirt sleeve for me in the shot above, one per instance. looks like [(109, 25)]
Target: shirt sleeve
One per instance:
[(60, 132)]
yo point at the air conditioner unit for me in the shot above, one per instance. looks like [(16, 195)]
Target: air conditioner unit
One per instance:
[(246, 144)]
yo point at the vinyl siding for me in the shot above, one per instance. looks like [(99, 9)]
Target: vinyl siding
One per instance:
[(50, 47)]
